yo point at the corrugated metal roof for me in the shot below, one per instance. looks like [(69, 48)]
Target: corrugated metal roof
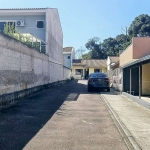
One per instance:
[(92, 63), (142, 60)]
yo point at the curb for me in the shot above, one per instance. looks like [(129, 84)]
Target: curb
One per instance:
[(125, 133)]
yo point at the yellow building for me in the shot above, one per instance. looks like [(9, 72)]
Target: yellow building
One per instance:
[(82, 68)]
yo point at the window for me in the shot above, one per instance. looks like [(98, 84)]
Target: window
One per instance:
[(11, 24), (78, 71), (98, 75), (40, 24), (97, 70), (68, 57)]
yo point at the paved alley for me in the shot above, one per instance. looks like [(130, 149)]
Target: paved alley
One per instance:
[(66, 117)]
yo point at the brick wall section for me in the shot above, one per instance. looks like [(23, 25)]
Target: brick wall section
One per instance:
[(22, 68)]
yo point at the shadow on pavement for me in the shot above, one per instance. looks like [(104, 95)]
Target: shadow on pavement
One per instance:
[(21, 121)]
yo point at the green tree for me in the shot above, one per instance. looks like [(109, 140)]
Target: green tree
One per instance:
[(36, 45), (123, 41), (110, 45), (79, 53), (9, 29), (27, 40), (87, 55), (6, 28), (95, 47), (140, 26)]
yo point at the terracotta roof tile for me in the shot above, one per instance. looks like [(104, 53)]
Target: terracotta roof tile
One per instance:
[(114, 58), (67, 49), (91, 63)]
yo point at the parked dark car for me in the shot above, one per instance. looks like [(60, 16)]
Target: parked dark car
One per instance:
[(98, 80)]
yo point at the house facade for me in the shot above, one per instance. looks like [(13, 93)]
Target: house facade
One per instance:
[(43, 23), (24, 69), (113, 71), (112, 62), (82, 68), (68, 55), (135, 62)]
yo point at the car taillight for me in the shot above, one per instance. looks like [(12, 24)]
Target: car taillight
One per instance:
[(107, 80), (90, 80)]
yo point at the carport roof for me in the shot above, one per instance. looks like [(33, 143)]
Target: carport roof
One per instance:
[(143, 60)]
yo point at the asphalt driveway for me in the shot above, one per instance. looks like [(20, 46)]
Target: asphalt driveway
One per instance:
[(66, 117)]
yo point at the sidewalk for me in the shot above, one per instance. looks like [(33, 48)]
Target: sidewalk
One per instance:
[(133, 118)]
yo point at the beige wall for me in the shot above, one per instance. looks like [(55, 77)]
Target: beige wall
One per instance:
[(141, 47), (54, 36), (91, 70), (74, 73), (146, 79), (104, 70), (126, 56)]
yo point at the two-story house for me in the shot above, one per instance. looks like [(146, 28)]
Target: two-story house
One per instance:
[(43, 23), (69, 55)]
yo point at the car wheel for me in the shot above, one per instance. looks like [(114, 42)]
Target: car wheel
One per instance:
[(89, 89), (108, 90)]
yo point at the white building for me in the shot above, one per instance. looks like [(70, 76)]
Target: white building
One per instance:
[(69, 55)]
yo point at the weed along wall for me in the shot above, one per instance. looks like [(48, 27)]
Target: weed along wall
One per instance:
[(24, 70)]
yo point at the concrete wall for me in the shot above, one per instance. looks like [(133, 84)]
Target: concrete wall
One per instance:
[(146, 79), (54, 36), (66, 73), (126, 56), (22, 67), (141, 47), (116, 78), (30, 24)]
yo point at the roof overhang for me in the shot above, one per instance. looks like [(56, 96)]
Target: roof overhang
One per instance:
[(141, 61), (66, 52), (20, 12)]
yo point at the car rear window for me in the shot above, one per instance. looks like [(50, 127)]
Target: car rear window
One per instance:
[(98, 75)]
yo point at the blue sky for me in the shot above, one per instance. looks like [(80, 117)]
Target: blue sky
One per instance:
[(84, 19)]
